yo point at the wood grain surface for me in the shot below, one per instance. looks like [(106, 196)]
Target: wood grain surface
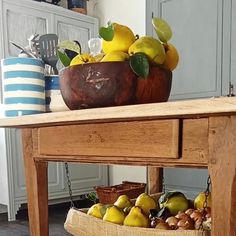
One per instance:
[(222, 169), (36, 174), (124, 139), (176, 109)]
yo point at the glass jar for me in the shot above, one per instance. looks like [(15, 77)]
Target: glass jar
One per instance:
[(78, 5), (54, 100)]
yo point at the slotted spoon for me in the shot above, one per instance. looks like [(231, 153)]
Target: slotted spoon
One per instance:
[(48, 50)]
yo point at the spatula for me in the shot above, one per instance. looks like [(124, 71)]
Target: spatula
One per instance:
[(48, 50)]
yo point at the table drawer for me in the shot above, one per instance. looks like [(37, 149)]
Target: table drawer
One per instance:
[(122, 139)]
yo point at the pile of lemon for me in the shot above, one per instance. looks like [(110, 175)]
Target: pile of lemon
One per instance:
[(123, 44)]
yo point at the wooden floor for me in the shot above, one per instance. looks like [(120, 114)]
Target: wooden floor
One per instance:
[(20, 227)]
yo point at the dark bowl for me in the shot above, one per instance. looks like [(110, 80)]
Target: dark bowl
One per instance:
[(105, 84)]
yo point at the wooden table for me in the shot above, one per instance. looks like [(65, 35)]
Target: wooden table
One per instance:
[(194, 133)]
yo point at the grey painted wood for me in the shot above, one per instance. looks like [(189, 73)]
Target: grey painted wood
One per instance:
[(197, 33), (226, 37), (233, 45), (72, 29), (19, 20)]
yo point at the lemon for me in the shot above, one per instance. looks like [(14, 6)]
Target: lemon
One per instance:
[(172, 57), (123, 38), (81, 59), (200, 200)]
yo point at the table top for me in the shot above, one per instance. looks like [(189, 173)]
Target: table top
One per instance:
[(175, 109)]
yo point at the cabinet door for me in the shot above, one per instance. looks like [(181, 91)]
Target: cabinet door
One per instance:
[(84, 177), (54, 169), (19, 23), (197, 34), (74, 29)]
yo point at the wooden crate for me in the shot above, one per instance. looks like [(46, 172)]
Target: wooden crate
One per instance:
[(78, 223)]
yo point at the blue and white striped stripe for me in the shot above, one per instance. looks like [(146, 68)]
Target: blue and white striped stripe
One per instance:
[(23, 86)]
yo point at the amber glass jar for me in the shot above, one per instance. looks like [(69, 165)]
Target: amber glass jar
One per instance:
[(78, 5)]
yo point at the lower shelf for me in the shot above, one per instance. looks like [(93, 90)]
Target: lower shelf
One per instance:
[(79, 223)]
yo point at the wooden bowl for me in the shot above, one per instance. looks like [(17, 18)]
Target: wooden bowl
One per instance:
[(105, 84)]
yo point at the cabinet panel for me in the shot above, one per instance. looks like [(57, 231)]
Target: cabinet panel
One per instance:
[(54, 169), (72, 29), (85, 176), (18, 18), (142, 139), (197, 33)]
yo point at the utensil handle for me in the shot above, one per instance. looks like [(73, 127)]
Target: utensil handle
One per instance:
[(19, 47)]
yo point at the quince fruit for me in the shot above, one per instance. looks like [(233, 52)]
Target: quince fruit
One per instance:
[(151, 47), (174, 201), (200, 200), (123, 38), (96, 210), (137, 218), (115, 215), (172, 57), (81, 59), (123, 202), (115, 56), (146, 203)]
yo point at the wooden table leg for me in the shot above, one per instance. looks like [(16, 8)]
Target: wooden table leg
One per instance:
[(222, 169), (37, 188), (155, 177)]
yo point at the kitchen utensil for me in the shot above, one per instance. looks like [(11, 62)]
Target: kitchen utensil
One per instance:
[(23, 50), (95, 46), (34, 44), (48, 50)]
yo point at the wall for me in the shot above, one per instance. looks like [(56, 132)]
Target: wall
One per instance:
[(124, 12), (133, 15)]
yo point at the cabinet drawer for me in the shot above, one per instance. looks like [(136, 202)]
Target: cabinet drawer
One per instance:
[(120, 139)]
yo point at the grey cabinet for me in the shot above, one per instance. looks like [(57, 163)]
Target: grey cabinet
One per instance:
[(204, 33), (71, 28), (233, 45), (19, 20), (197, 33)]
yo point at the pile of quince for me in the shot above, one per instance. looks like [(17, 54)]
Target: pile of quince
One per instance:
[(169, 212), (119, 43)]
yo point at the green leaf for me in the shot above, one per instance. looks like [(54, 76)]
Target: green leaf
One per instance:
[(162, 28), (70, 45), (169, 195), (107, 33), (139, 64), (104, 208), (163, 212), (65, 60)]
